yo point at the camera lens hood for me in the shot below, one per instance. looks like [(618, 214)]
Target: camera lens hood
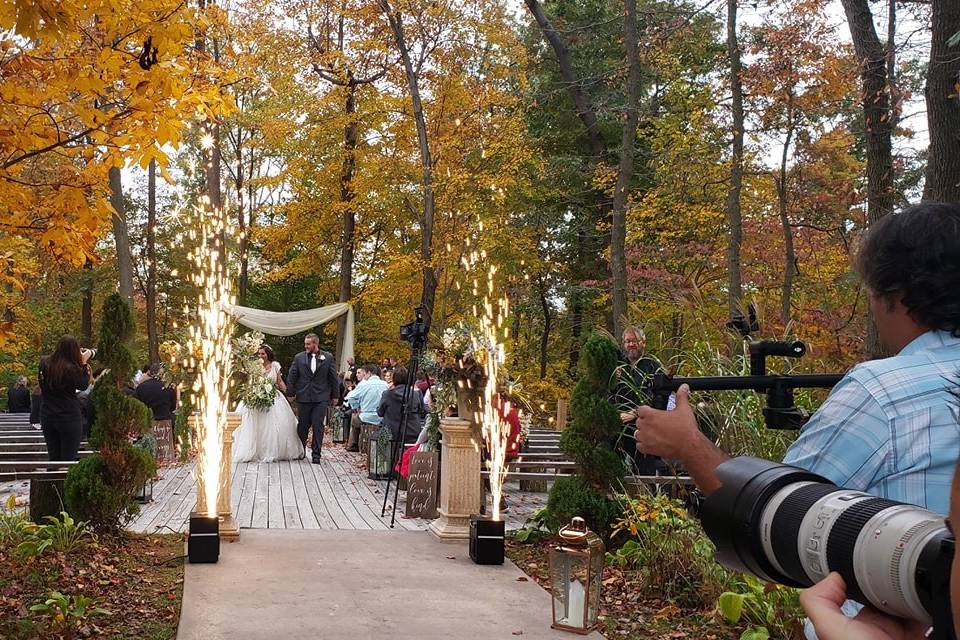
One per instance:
[(730, 514)]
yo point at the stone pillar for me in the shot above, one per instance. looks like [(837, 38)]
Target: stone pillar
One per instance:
[(459, 480), (228, 526)]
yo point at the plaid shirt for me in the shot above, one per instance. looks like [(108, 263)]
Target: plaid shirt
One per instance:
[(890, 427)]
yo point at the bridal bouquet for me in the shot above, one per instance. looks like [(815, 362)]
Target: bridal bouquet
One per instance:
[(258, 392), (255, 390)]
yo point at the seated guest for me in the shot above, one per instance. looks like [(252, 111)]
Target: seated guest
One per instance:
[(162, 400), (18, 396), (406, 428), (364, 400), (61, 375)]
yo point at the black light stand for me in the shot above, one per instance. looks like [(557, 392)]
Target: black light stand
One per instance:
[(416, 335)]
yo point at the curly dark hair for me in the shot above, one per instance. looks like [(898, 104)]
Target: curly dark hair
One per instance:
[(915, 254)]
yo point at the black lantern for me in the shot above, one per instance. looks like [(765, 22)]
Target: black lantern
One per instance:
[(203, 542), (378, 454), (146, 494), (576, 570)]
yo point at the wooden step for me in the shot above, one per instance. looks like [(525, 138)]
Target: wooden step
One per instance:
[(18, 476), (7, 466), (543, 464), (12, 456)]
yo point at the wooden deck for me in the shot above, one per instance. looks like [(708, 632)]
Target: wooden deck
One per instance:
[(335, 494)]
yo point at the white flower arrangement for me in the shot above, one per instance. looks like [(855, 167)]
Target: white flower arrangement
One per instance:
[(257, 391)]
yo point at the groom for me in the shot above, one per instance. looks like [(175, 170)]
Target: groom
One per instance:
[(313, 380)]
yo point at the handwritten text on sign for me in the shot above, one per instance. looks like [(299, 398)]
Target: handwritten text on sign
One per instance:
[(422, 485)]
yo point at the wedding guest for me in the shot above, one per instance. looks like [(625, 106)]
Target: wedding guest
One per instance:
[(162, 400), (364, 399), (404, 422), (61, 375), (18, 396)]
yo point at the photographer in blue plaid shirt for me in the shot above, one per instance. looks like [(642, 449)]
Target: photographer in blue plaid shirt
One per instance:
[(889, 427)]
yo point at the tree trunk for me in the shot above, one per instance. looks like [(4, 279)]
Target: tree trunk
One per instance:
[(121, 236), (547, 325), (943, 105), (585, 260), (86, 310), (876, 107), (347, 195), (244, 244), (790, 258), (734, 223), (618, 261), (152, 262), (581, 101), (429, 293), (877, 124)]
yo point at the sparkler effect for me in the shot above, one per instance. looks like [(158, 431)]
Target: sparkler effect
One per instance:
[(494, 429), (210, 345)]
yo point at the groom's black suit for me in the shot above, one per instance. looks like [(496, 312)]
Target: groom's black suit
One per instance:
[(314, 387)]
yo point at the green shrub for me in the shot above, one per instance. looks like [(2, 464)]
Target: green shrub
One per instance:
[(100, 489), (68, 614), (772, 610), (15, 526), (667, 546), (572, 496), (62, 535), (102, 493)]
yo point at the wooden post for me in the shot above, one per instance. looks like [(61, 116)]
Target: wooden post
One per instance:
[(459, 480), (228, 526), (561, 414)]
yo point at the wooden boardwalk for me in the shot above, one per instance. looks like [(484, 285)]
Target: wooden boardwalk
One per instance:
[(335, 494)]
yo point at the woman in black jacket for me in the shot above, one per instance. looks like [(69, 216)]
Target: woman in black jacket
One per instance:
[(61, 376), (390, 404)]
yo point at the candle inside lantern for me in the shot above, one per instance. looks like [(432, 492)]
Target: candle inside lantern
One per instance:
[(575, 604)]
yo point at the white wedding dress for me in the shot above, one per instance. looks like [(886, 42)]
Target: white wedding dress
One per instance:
[(267, 435)]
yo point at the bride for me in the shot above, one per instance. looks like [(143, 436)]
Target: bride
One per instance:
[(270, 434)]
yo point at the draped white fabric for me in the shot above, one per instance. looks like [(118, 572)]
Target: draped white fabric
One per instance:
[(287, 323)]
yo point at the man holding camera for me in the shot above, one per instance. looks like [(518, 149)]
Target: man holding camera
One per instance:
[(888, 428)]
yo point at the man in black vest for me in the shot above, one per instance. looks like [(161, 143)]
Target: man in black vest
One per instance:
[(313, 380)]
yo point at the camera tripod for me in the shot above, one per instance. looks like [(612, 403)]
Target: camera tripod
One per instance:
[(415, 334)]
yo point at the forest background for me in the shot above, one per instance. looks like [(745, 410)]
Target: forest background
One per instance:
[(659, 162)]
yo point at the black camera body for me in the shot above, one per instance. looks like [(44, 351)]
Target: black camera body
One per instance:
[(415, 333), (787, 525)]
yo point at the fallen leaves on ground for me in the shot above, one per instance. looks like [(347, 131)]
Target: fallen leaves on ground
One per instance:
[(138, 578), (624, 613)]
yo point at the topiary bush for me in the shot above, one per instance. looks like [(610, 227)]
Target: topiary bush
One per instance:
[(100, 489), (594, 426)]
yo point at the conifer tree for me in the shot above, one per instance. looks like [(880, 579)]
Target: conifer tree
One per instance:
[(100, 488), (594, 426)]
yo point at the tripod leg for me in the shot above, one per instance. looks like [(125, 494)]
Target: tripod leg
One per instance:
[(386, 492)]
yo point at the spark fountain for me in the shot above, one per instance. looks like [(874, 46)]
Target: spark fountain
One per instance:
[(210, 345), (487, 535)]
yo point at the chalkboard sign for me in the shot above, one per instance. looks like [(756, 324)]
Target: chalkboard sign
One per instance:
[(422, 485)]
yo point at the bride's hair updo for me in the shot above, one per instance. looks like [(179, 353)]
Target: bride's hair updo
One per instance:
[(266, 349)]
